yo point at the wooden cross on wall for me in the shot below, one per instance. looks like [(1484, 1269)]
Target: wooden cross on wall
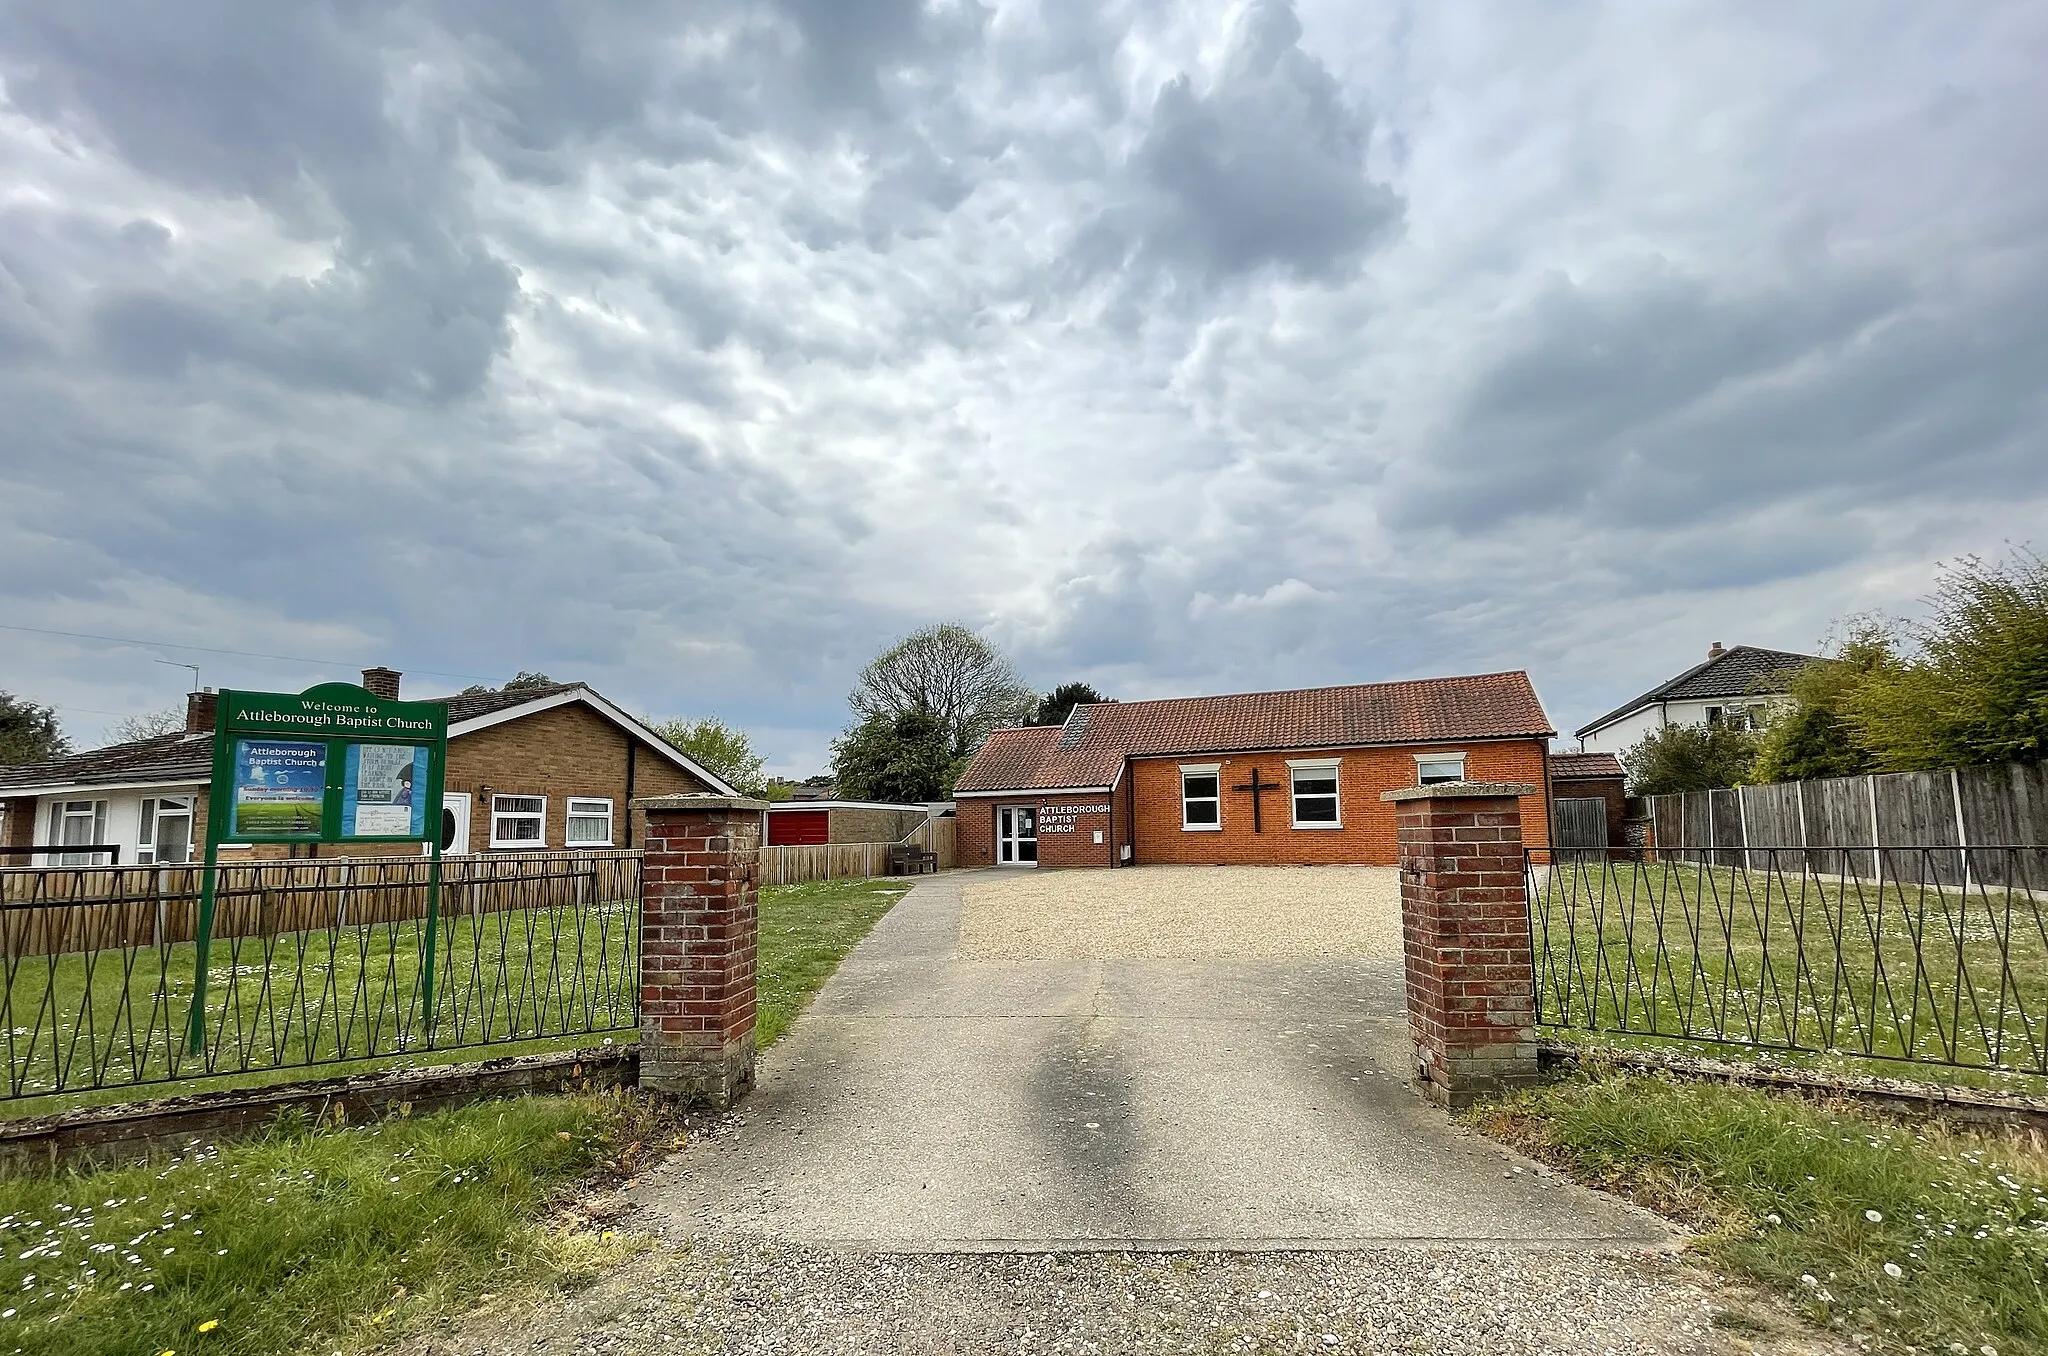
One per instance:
[(1258, 790)]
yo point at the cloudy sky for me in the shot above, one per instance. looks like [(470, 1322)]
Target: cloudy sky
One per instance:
[(699, 350)]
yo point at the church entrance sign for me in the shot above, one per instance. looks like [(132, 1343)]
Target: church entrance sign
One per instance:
[(333, 764)]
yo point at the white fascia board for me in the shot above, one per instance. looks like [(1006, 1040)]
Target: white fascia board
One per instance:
[(84, 790), (582, 694), (843, 805), (1023, 791)]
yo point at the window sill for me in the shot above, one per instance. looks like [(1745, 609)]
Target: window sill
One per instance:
[(496, 846), (1201, 828), (1312, 828)]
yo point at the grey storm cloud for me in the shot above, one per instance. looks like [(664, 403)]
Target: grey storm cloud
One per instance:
[(698, 351), (1265, 167)]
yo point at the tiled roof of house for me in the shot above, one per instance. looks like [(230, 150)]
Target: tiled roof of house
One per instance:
[(165, 758), (189, 757), (1091, 746), (1577, 766), (1745, 670), (469, 705)]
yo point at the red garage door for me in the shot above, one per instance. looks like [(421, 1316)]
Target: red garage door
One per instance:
[(789, 828)]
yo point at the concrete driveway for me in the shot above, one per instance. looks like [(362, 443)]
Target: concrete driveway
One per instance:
[(1044, 1087)]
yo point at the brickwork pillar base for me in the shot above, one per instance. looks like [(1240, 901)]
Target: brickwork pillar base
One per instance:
[(1470, 971), (699, 924)]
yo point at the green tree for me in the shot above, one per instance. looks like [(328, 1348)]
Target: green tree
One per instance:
[(1056, 705), (1689, 758), (29, 733), (906, 757), (950, 673), (1812, 737), (722, 748), (519, 682), (1975, 690)]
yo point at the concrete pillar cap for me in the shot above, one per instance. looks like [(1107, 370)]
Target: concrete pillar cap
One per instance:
[(706, 801), (1462, 791)]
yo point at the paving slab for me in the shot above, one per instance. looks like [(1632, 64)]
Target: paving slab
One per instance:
[(930, 1102)]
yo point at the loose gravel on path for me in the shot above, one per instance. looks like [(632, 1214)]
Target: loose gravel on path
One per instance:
[(737, 1297), (1182, 913)]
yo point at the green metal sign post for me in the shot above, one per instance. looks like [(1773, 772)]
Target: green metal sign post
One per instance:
[(333, 764)]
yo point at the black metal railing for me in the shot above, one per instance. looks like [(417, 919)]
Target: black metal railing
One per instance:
[(1904, 955), (310, 963)]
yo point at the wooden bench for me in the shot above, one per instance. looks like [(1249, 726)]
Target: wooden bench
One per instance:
[(908, 859)]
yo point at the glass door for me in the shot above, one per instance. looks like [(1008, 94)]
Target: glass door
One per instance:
[(1017, 835)]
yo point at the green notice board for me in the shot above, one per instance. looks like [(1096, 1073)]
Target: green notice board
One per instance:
[(333, 764)]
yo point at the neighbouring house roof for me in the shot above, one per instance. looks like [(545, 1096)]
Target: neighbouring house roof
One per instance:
[(175, 758), (1088, 751), (1567, 767), (159, 761), (1743, 671)]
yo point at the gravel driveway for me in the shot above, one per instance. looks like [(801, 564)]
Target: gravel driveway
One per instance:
[(748, 1298), (1182, 913)]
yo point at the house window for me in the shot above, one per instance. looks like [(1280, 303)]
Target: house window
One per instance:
[(590, 823), (166, 837), (78, 822), (516, 821), (1432, 768), (1201, 796), (1314, 787)]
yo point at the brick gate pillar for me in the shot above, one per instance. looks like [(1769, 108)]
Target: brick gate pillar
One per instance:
[(699, 916), (1465, 934)]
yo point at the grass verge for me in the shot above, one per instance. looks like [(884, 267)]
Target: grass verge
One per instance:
[(1915, 1235), (345, 1237), (806, 930), (341, 1237)]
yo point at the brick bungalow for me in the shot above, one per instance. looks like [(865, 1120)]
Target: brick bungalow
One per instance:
[(1126, 783), (528, 769)]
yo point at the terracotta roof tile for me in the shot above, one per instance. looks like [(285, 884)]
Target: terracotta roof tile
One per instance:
[(1569, 766), (1091, 747)]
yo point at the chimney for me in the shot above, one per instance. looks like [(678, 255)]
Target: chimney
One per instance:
[(1715, 651), (383, 682), (199, 711)]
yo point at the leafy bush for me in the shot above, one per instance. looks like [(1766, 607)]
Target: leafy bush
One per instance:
[(1689, 758)]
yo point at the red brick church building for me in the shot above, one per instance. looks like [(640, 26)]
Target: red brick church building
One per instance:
[(1258, 778)]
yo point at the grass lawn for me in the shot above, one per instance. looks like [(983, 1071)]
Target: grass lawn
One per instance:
[(347, 999), (1820, 1204), (1831, 973), (806, 930), (340, 1237), (341, 998)]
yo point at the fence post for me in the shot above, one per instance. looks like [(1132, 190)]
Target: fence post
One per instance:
[(1466, 938), (699, 901)]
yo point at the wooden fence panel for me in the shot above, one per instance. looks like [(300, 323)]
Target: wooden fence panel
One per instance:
[(1918, 809), (1770, 818), (159, 905), (1839, 820), (1838, 816)]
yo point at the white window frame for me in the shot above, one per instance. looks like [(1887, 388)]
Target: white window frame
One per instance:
[(578, 807), (152, 809), (1454, 756), (1333, 767), (1188, 770), (498, 816), (60, 814)]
